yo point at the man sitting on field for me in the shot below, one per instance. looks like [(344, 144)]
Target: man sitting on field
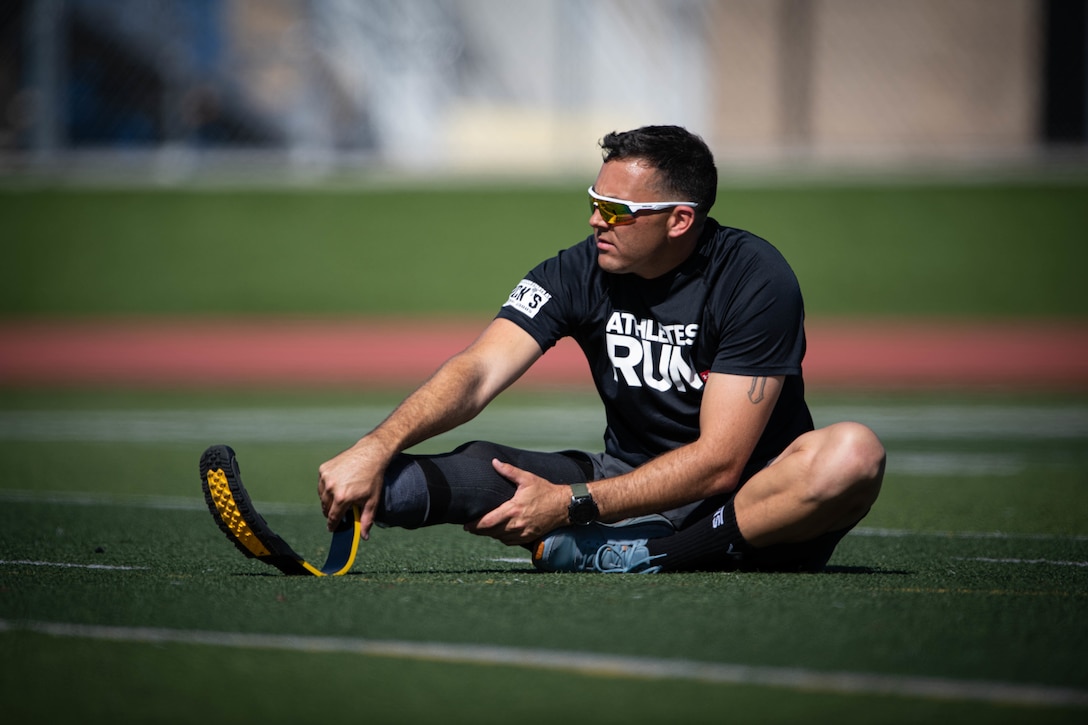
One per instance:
[(694, 335)]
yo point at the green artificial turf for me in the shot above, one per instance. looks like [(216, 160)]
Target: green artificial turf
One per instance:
[(961, 249), (972, 569)]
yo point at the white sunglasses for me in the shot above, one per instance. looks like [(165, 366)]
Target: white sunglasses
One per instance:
[(620, 211)]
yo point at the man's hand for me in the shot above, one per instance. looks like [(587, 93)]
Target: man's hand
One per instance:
[(537, 508), (355, 477)]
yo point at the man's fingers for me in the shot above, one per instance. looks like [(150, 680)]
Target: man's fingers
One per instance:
[(336, 512), (366, 519), (511, 472), (504, 469), (490, 520)]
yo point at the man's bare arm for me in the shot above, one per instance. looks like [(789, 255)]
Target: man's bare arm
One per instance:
[(734, 414), (735, 410), (455, 394), (462, 387)]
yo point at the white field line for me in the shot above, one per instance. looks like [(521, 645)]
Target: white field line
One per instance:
[(618, 666), (189, 503), (989, 560), (1011, 536), (553, 427), (68, 565), (573, 423), (500, 560), (160, 503)]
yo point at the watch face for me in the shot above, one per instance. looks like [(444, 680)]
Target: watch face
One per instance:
[(583, 510)]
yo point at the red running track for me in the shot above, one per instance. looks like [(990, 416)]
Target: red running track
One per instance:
[(373, 353)]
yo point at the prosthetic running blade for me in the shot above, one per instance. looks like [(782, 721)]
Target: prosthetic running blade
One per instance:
[(236, 516)]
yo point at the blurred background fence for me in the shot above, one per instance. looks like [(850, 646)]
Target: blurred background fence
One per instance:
[(177, 87)]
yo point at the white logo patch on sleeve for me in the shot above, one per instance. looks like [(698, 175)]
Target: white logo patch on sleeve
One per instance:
[(528, 297)]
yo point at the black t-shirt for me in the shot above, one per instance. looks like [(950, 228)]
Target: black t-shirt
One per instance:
[(733, 307)]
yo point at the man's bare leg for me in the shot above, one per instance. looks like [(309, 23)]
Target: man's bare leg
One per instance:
[(826, 480)]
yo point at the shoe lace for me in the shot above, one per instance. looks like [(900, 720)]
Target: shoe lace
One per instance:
[(625, 557)]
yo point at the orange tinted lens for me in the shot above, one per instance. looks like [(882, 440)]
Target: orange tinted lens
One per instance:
[(611, 212)]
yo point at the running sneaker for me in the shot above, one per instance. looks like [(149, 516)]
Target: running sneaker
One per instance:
[(628, 557), (604, 548)]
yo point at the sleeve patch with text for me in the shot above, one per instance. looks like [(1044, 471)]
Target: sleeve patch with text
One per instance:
[(528, 297)]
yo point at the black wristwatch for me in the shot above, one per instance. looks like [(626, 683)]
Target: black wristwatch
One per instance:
[(583, 509)]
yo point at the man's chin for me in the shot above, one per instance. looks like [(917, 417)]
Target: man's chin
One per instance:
[(610, 263)]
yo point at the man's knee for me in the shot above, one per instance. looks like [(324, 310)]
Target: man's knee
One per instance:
[(849, 467), (862, 452)]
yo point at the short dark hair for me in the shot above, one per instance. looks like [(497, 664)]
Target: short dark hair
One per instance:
[(683, 160)]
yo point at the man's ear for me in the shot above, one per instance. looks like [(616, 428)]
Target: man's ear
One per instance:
[(681, 221)]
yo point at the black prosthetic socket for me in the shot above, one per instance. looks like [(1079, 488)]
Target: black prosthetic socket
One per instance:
[(405, 499), (461, 486)]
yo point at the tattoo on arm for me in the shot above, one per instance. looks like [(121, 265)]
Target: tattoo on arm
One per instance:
[(755, 393)]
